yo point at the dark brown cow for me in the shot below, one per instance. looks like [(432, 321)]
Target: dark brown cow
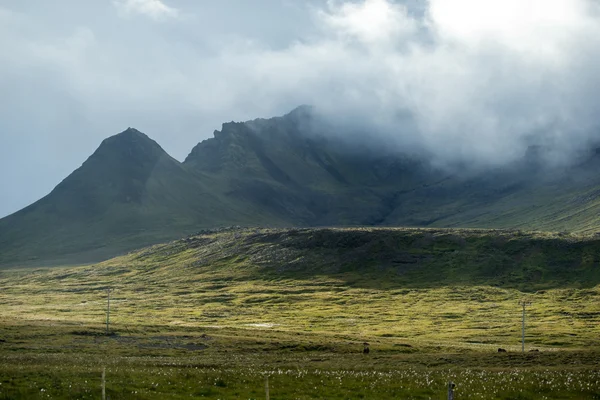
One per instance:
[(366, 348)]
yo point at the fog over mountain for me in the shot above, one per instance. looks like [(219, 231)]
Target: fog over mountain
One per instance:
[(475, 82)]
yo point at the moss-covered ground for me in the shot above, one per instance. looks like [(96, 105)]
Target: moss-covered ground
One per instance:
[(212, 315)]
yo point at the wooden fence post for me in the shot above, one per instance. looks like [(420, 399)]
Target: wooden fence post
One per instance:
[(451, 387), (104, 383), (267, 387)]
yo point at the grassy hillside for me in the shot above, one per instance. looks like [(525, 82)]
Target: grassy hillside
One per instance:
[(128, 194), (391, 257), (212, 314), (356, 279)]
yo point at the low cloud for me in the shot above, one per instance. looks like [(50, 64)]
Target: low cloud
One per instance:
[(481, 80)]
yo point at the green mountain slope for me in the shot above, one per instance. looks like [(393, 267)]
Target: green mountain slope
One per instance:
[(306, 178), (313, 179), (549, 200), (128, 193), (284, 171)]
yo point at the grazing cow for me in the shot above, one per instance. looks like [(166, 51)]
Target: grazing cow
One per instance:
[(366, 348), (501, 351), (534, 351)]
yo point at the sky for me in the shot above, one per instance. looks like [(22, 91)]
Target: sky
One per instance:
[(474, 80)]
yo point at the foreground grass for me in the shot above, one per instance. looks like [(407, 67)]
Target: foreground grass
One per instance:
[(211, 316), (75, 377), (43, 359)]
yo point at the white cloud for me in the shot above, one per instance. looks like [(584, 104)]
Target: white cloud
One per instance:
[(532, 26), (371, 21), (485, 80), (154, 9)]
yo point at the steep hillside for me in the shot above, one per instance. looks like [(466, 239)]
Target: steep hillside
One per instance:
[(127, 194), (291, 168), (288, 166)]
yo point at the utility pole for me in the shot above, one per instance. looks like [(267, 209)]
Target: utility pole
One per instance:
[(108, 290), (524, 304)]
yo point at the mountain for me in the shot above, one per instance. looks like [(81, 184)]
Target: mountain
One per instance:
[(129, 192), (283, 171), (314, 179), (302, 177)]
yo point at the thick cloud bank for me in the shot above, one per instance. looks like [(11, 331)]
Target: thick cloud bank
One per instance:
[(462, 80), (481, 80)]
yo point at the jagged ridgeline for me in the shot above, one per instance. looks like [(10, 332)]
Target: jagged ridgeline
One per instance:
[(284, 171)]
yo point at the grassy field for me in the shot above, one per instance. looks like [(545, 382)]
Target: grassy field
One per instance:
[(211, 316)]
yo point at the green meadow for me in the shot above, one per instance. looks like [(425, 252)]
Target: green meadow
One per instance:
[(215, 314)]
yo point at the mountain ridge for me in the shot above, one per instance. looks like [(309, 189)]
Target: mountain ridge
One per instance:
[(278, 172)]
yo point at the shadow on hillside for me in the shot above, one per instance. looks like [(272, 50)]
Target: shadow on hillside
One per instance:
[(429, 258)]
